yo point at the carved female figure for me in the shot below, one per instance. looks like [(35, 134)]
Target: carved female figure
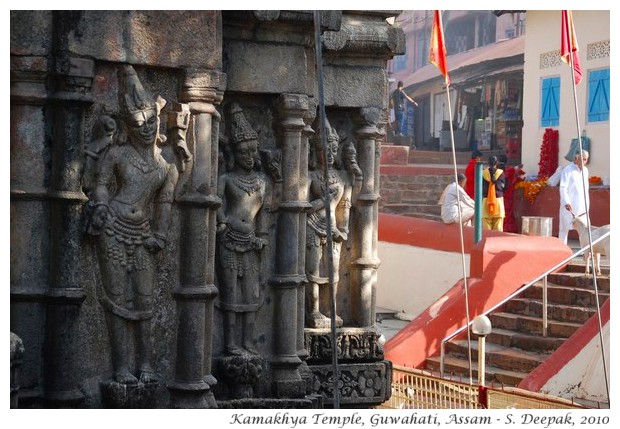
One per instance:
[(132, 204), (339, 186), (243, 191)]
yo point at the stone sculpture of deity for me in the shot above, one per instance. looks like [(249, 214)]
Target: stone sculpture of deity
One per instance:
[(131, 207), (339, 185), (243, 189)]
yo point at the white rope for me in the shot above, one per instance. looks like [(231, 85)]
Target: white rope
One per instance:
[(458, 198)]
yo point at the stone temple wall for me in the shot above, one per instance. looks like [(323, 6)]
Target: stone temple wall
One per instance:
[(154, 263)]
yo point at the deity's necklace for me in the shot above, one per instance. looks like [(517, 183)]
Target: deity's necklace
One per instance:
[(333, 177), (250, 183), (137, 160)]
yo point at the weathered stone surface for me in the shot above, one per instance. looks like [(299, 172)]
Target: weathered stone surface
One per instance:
[(31, 32), (116, 395), (343, 84), (161, 38), (263, 68)]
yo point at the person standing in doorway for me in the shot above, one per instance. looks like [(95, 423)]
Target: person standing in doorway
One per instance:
[(573, 200), (399, 100)]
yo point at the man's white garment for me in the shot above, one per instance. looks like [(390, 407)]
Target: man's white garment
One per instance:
[(449, 204), (571, 192)]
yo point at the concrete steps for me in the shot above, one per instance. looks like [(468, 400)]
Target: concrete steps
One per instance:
[(516, 346), (406, 181), (568, 295)]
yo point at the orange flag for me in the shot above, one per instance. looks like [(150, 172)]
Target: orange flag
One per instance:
[(437, 51), (569, 44)]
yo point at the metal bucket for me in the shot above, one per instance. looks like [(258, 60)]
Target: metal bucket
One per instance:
[(536, 225)]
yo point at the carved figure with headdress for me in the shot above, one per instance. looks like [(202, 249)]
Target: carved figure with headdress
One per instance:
[(338, 183), (244, 191), (131, 201)]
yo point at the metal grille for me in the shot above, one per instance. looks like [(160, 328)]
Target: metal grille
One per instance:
[(416, 389), (523, 399)]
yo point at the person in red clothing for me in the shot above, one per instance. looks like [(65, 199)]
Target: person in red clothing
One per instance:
[(470, 172), (513, 175)]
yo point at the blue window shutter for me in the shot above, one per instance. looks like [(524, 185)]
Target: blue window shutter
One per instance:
[(550, 102), (598, 95)]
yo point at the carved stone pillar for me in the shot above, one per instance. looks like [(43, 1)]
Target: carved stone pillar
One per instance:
[(65, 295), (29, 160), (364, 250), (306, 134), (198, 204), (288, 279)]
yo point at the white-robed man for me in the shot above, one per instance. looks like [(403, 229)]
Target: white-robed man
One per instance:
[(449, 201), (573, 199)]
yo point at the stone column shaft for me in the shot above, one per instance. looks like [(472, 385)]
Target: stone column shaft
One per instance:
[(307, 132), (66, 292), (199, 202), (29, 158), (365, 261), (287, 280)]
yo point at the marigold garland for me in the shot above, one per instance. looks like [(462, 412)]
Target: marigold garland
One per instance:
[(531, 188)]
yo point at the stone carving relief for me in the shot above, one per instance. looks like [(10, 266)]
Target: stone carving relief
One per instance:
[(357, 383), (342, 171), (352, 344), (131, 188), (241, 234)]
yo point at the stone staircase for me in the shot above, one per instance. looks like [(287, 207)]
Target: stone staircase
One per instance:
[(516, 346), (413, 195), (412, 180)]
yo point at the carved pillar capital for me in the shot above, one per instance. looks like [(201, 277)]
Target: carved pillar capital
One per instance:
[(293, 108), (309, 118), (376, 35), (368, 123), (28, 80), (203, 85), (73, 79)]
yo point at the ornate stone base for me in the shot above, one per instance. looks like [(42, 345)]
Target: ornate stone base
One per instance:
[(310, 402), (361, 385), (141, 395), (240, 373), (354, 344)]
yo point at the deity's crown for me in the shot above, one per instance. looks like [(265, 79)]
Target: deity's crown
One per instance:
[(239, 129), (332, 134), (131, 94)]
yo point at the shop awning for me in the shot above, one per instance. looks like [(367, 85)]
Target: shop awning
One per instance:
[(500, 57)]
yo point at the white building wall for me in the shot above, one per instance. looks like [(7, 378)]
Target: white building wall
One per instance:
[(583, 377), (410, 279), (543, 36)]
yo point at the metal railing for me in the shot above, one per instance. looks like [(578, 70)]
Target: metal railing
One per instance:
[(542, 277), (417, 389)]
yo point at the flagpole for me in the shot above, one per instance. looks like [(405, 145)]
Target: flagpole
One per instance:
[(585, 197), (318, 46), (437, 56), (460, 211)]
